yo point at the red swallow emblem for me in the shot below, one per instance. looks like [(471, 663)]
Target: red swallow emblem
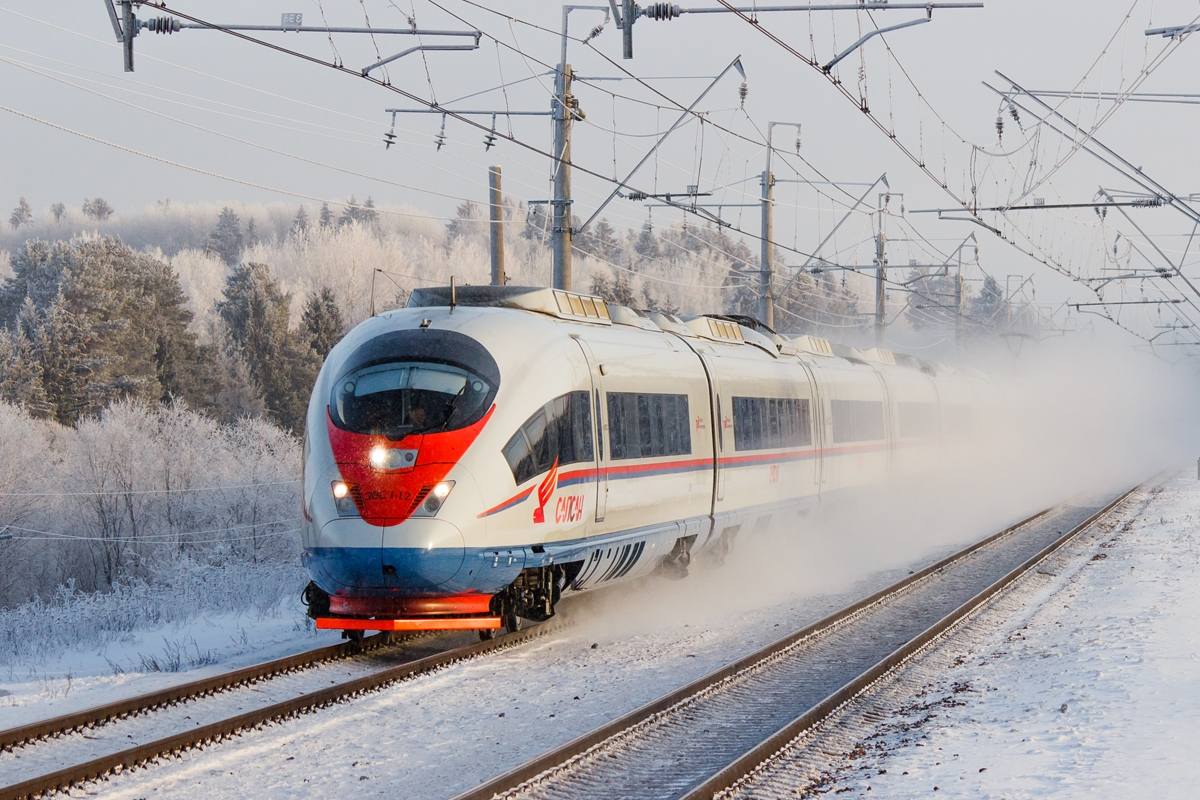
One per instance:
[(545, 492)]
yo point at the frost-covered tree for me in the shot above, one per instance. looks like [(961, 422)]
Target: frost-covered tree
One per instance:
[(58, 210), (21, 214), (251, 233), (988, 304), (462, 224), (255, 310), (369, 213), (322, 321), (102, 322), (97, 209), (600, 242), (325, 219), (300, 223), (646, 244), (226, 240)]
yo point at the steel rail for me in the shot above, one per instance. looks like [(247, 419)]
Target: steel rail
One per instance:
[(214, 732), (773, 746), (139, 704), (556, 758)]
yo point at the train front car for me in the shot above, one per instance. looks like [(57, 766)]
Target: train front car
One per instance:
[(406, 430)]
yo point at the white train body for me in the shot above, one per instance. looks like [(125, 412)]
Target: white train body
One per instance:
[(525, 443)]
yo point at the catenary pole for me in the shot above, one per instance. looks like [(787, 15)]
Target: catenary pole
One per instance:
[(496, 201)]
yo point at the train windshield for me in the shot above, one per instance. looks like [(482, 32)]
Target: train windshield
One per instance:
[(397, 398), (414, 381)]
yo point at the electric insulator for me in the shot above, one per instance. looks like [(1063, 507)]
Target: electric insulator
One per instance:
[(743, 91), (596, 31), (1016, 117), (389, 139), (489, 139), (160, 25), (999, 126), (440, 139), (661, 11), (797, 142)]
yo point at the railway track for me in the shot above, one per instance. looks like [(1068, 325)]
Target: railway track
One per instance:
[(97, 742), (706, 737)]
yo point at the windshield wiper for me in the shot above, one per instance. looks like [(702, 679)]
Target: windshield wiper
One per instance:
[(452, 406)]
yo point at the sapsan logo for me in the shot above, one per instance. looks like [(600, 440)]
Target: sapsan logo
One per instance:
[(545, 492)]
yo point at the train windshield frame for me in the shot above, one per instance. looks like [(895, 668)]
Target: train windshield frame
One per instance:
[(414, 382)]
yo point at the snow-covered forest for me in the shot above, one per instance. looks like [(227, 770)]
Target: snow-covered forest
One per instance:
[(155, 368)]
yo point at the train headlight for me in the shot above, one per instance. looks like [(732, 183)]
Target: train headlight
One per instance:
[(389, 458), (437, 496), (343, 499)]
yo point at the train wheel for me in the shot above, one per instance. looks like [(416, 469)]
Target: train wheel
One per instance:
[(487, 634), (512, 623), (354, 637)]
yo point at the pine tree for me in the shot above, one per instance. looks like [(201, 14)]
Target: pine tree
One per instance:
[(350, 213), (255, 311), (300, 223), (322, 321), (988, 304), (251, 233), (21, 214), (103, 323), (646, 244), (369, 214), (461, 226), (226, 240), (326, 217), (58, 210)]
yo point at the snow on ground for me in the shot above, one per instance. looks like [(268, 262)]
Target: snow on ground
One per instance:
[(150, 659), (1084, 681)]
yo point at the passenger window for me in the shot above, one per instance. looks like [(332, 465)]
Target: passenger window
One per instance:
[(644, 425), (561, 429), (763, 423), (857, 420)]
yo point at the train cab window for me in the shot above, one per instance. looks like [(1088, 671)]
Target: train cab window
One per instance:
[(918, 420), (405, 382), (644, 425), (560, 429), (857, 420), (762, 423)]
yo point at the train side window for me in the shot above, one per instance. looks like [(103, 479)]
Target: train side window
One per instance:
[(643, 425), (857, 420), (762, 423), (560, 429), (918, 420)]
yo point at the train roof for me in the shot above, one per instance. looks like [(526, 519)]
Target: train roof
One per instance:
[(726, 328)]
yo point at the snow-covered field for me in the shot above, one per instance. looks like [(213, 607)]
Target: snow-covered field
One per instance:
[(151, 658), (1084, 681)]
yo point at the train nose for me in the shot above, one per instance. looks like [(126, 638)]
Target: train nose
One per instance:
[(421, 554), (415, 557)]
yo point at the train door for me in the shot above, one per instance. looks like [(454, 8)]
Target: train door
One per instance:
[(601, 427), (817, 421), (890, 424), (721, 432)]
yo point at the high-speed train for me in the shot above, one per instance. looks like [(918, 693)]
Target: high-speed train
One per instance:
[(473, 457)]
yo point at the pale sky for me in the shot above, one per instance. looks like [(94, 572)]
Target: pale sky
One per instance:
[(218, 98)]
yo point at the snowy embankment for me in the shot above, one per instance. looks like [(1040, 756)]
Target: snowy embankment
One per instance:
[(1084, 682), (79, 650)]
